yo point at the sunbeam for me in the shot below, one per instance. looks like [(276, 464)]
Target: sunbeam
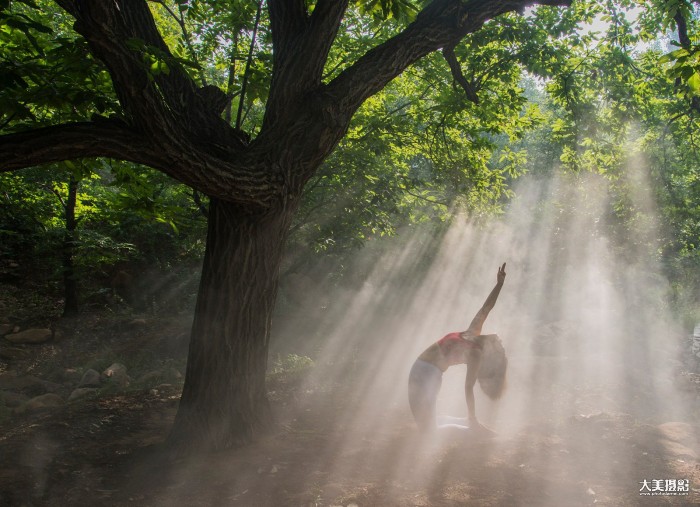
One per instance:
[(590, 411), (583, 322)]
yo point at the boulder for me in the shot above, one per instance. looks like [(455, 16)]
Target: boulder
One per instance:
[(45, 401), (82, 392), (6, 329), (30, 336), (90, 378), (117, 373)]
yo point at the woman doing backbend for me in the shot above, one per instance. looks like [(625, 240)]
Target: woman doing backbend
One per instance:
[(485, 359)]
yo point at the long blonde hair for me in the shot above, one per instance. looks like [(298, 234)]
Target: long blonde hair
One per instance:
[(492, 367)]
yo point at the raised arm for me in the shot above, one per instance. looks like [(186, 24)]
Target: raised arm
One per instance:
[(478, 320)]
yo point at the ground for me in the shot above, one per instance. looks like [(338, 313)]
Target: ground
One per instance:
[(109, 449)]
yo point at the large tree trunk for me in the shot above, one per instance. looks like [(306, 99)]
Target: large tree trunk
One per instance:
[(224, 401)]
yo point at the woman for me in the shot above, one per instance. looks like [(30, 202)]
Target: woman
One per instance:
[(485, 359)]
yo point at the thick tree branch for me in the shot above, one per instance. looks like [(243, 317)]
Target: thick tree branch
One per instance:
[(325, 22), (300, 51), (176, 128), (441, 24), (250, 183), (124, 36), (287, 18), (71, 141), (109, 28), (323, 113), (312, 121)]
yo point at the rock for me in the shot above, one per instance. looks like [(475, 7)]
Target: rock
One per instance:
[(6, 329), (30, 336), (90, 378), (45, 401), (115, 369), (117, 373), (82, 392), (13, 353), (13, 399)]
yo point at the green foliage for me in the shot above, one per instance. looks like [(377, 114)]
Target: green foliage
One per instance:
[(420, 150), (617, 106), (127, 218), (380, 10), (551, 92), (46, 71)]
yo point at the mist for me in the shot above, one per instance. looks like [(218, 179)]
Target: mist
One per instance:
[(578, 308), (583, 315), (592, 412)]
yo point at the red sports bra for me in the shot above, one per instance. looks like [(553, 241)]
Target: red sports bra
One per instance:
[(453, 347)]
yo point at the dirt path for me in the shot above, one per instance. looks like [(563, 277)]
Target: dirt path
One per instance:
[(330, 448), (108, 451)]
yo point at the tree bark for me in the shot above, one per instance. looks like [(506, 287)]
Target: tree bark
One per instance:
[(224, 402)]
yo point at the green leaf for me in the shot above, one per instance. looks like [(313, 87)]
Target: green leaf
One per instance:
[(694, 83), (674, 55)]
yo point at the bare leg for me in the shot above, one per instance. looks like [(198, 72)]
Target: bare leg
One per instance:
[(424, 384)]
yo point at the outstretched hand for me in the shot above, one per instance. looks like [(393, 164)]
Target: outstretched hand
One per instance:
[(501, 276)]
